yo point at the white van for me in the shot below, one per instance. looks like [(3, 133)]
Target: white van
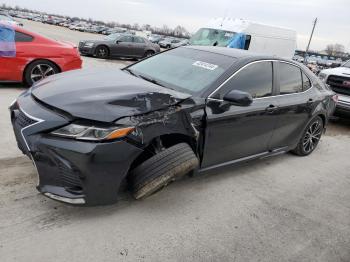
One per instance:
[(259, 38)]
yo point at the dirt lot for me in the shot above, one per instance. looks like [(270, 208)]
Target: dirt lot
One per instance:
[(284, 208)]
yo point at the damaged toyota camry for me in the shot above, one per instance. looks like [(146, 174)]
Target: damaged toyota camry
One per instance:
[(190, 109)]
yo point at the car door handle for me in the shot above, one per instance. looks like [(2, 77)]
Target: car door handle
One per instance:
[(271, 108)]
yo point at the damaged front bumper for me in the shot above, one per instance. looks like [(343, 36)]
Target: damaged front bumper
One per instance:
[(75, 172)]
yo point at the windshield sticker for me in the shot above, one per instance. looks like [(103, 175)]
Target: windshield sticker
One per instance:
[(205, 65)]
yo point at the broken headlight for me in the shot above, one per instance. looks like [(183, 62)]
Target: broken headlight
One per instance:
[(92, 133)]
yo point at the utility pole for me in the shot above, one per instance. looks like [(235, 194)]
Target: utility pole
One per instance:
[(312, 33)]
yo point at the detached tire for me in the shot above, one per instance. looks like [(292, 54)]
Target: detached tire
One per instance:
[(161, 169)]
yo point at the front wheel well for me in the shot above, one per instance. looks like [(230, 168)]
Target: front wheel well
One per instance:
[(166, 141)]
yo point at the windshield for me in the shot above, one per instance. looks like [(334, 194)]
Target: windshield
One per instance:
[(184, 69), (347, 64), (210, 37), (111, 37)]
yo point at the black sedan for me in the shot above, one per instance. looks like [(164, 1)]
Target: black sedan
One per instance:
[(119, 45), (190, 109)]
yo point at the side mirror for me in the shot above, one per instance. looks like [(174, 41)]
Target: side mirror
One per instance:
[(117, 42), (239, 98)]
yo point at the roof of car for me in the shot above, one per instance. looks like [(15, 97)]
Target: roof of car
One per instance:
[(232, 52)]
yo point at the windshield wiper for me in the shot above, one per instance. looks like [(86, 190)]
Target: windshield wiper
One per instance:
[(145, 78), (130, 71), (150, 80)]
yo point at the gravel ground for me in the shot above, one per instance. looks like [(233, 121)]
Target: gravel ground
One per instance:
[(284, 208)]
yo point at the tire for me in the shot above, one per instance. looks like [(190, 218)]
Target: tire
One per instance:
[(310, 138), (102, 52), (161, 169), (39, 70), (168, 46), (148, 53)]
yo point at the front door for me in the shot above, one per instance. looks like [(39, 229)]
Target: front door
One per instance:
[(238, 132), (123, 47)]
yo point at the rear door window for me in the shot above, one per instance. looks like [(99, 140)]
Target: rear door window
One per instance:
[(306, 82), (290, 79), (126, 39), (139, 40)]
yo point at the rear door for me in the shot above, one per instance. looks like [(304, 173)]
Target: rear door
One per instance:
[(139, 46), (123, 46), (237, 132), (296, 102)]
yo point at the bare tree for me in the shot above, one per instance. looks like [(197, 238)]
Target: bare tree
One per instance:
[(334, 50)]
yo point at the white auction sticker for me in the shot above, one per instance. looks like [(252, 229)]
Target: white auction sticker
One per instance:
[(205, 65)]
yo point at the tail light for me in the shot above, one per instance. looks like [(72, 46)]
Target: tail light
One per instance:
[(335, 98)]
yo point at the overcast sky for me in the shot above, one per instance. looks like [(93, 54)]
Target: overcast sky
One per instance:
[(333, 15)]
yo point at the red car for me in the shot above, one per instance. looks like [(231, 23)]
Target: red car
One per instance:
[(37, 57)]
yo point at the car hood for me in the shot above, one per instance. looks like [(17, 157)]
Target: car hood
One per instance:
[(342, 71), (104, 95)]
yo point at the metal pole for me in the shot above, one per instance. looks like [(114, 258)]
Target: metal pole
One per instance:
[(312, 33)]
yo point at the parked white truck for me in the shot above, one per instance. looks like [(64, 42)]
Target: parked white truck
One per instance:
[(338, 79), (257, 37)]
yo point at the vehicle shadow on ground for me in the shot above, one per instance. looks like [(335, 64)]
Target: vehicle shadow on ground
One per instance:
[(13, 85)]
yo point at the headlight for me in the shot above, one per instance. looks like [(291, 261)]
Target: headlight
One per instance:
[(322, 76), (92, 133), (89, 44)]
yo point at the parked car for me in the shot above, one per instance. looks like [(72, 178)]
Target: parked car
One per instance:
[(37, 57), (190, 109), (180, 43), (338, 80), (155, 38), (109, 31), (8, 19), (167, 42), (119, 45)]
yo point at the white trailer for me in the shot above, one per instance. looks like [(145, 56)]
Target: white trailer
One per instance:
[(259, 38)]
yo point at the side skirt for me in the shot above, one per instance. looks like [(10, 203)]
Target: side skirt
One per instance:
[(263, 155)]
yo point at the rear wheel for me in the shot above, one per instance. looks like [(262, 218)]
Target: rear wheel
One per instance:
[(102, 52), (39, 70), (310, 138), (161, 169), (149, 53)]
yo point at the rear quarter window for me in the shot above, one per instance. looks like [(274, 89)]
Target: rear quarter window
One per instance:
[(290, 79), (22, 37)]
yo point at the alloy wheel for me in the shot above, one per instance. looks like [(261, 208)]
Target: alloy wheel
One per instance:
[(41, 71), (312, 136)]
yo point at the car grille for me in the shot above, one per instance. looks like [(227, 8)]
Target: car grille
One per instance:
[(69, 178), (23, 121), (337, 84)]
